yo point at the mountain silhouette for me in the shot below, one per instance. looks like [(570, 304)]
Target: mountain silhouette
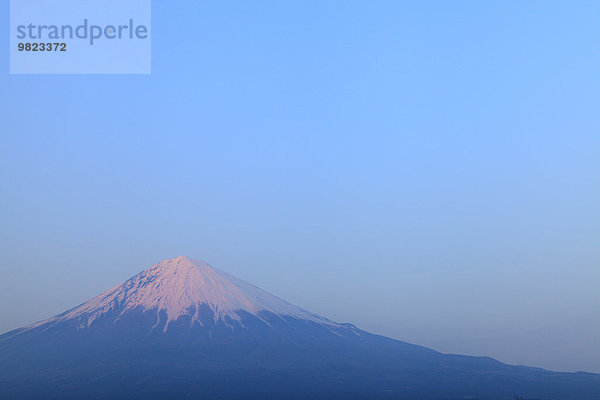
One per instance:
[(182, 329)]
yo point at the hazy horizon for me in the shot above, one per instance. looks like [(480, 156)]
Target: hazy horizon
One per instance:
[(428, 172)]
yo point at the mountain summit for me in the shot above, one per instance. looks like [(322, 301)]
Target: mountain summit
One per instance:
[(182, 287), (182, 329)]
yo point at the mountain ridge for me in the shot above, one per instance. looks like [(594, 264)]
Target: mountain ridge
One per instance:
[(182, 329)]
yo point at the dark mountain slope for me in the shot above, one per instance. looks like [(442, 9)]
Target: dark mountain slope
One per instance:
[(184, 330)]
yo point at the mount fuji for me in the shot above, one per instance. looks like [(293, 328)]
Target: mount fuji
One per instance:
[(182, 329)]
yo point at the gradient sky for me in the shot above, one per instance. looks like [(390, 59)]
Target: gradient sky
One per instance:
[(427, 171)]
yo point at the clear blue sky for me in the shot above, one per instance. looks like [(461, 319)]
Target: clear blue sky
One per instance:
[(428, 171)]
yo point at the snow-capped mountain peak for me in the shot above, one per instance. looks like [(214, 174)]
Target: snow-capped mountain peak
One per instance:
[(178, 287)]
